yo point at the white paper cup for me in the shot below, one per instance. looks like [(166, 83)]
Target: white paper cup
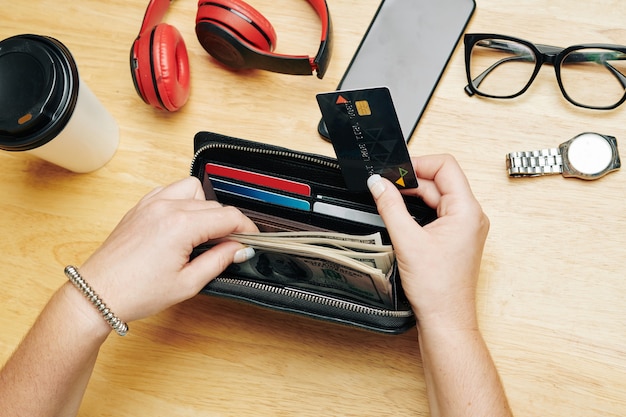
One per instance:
[(47, 110)]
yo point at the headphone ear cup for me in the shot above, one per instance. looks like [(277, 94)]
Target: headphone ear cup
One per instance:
[(160, 67), (170, 66), (246, 25), (140, 69)]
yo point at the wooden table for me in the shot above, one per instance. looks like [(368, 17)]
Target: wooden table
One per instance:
[(552, 293)]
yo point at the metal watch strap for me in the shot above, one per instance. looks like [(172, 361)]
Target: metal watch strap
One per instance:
[(544, 161)]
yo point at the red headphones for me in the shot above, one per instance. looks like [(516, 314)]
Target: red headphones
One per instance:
[(232, 31)]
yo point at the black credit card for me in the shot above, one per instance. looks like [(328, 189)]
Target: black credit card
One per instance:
[(367, 138)]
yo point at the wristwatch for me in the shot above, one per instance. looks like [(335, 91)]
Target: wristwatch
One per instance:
[(587, 156)]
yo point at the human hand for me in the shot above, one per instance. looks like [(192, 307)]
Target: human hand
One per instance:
[(440, 262), (143, 267)]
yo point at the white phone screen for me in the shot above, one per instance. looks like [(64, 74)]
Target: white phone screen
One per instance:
[(407, 48)]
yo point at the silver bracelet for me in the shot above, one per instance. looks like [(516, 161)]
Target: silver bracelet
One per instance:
[(75, 278)]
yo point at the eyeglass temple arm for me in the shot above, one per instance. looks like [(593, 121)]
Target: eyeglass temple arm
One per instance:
[(620, 77), (501, 46), (478, 80)]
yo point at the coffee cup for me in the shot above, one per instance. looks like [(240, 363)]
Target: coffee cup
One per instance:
[(47, 110)]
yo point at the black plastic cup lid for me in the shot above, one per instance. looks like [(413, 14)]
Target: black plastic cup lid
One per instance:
[(38, 91)]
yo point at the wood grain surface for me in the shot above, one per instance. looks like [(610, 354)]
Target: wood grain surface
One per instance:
[(552, 293)]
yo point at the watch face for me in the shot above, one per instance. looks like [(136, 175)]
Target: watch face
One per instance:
[(590, 153)]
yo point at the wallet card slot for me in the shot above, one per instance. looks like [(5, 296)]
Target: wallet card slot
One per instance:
[(315, 221), (265, 180), (310, 174), (296, 215), (268, 223), (325, 212), (264, 194)]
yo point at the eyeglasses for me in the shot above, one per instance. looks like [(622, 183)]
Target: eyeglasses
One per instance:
[(589, 75)]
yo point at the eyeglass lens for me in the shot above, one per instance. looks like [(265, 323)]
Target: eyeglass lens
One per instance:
[(594, 77), (590, 77)]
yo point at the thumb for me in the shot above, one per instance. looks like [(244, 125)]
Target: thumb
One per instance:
[(208, 265), (400, 224)]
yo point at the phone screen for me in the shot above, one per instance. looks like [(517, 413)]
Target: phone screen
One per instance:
[(406, 48)]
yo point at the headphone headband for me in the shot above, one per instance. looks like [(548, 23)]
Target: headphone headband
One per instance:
[(155, 12), (322, 58), (224, 42)]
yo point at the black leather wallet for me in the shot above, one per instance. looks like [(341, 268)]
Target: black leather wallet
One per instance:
[(322, 176)]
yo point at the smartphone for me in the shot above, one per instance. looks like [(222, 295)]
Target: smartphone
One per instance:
[(406, 49)]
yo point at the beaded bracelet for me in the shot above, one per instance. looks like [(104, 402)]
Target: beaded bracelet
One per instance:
[(75, 278)]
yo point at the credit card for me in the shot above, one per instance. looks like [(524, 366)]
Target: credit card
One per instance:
[(260, 195), (255, 178), (348, 213), (365, 132), (347, 203), (347, 209)]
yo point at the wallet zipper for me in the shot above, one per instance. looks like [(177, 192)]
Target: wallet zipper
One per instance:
[(318, 299), (262, 151)]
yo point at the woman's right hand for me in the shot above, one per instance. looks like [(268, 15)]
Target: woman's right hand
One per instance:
[(440, 262)]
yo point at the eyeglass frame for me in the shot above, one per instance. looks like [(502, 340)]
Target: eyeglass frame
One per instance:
[(544, 54)]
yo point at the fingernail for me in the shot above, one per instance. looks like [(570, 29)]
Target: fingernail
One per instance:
[(376, 185), (243, 255)]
